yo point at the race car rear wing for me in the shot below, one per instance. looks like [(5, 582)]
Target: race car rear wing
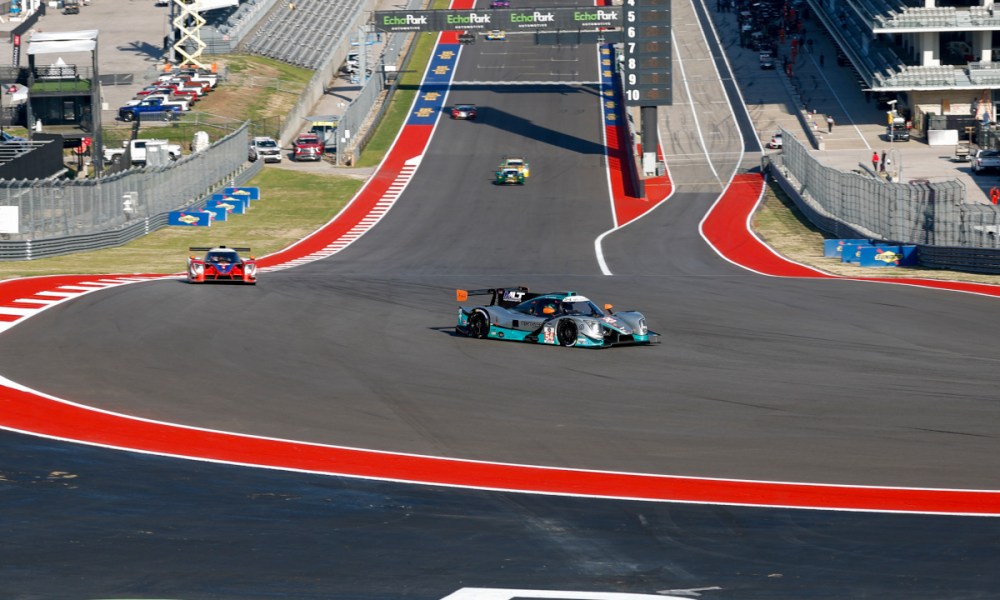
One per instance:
[(207, 248), (503, 297)]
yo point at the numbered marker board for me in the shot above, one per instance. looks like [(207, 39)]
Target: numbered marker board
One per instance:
[(646, 70)]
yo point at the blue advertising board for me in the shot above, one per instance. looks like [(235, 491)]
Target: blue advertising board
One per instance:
[(251, 192), (189, 218), (851, 252), (218, 213), (833, 248), (878, 255), (233, 204)]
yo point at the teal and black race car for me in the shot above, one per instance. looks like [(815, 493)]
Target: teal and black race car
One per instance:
[(557, 319)]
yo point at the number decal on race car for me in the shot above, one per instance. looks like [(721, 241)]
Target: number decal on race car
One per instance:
[(549, 334)]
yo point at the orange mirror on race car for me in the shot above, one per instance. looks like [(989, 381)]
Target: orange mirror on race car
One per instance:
[(461, 295), (609, 307)]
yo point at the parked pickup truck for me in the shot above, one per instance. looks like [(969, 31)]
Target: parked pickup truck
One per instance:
[(137, 150), (208, 78), (165, 100), (202, 87), (129, 112), (266, 149), (198, 75), (898, 130), (191, 95), (307, 146), (985, 160)]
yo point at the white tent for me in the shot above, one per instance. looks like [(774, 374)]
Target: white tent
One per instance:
[(63, 42), (213, 4)]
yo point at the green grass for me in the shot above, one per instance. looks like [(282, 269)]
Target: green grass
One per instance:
[(67, 85)]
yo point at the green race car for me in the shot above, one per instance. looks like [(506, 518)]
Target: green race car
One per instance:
[(509, 176)]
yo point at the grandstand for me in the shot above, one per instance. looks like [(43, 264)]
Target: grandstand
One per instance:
[(303, 36)]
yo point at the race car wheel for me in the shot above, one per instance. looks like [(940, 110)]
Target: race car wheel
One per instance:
[(479, 325), (566, 333)]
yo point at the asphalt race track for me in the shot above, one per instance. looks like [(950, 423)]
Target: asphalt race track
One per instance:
[(757, 378)]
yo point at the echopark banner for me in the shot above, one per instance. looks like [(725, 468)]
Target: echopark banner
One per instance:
[(507, 19)]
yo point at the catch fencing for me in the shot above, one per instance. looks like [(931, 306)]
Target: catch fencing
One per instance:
[(318, 83), (920, 212), (86, 214), (361, 110), (365, 110)]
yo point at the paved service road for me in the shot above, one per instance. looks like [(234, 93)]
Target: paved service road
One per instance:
[(757, 378)]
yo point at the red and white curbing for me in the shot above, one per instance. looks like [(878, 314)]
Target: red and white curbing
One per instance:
[(22, 308), (379, 210)]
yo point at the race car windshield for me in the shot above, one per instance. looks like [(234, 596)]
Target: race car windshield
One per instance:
[(583, 309), (222, 257)]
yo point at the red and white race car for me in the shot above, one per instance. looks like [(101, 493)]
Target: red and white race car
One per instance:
[(464, 111), (221, 263)]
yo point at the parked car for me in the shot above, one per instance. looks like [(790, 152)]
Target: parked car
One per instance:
[(898, 130), (776, 142), (137, 151), (202, 87), (129, 112), (267, 149), (307, 146), (896, 133), (190, 75), (164, 99), (985, 160), (191, 95)]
